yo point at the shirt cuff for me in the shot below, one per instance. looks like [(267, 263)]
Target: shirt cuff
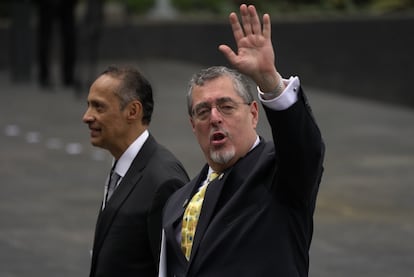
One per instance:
[(286, 99)]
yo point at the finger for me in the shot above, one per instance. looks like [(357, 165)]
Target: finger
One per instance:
[(228, 53), (236, 27), (267, 26), (254, 19), (246, 21)]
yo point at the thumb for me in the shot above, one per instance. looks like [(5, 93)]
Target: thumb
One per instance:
[(228, 53)]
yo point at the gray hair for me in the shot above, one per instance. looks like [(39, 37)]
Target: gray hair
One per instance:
[(240, 82)]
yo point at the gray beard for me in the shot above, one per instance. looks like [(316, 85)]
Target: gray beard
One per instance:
[(222, 157)]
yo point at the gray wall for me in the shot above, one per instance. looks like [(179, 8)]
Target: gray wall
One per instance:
[(369, 58)]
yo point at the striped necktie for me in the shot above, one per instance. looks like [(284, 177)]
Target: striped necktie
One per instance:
[(113, 181), (111, 185), (191, 215)]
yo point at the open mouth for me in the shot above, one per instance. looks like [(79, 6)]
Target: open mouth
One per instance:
[(218, 138), (94, 131)]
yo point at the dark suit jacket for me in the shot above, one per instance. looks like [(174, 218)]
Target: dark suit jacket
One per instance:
[(257, 220), (128, 230)]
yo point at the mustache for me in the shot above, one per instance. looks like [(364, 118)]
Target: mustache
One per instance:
[(219, 129)]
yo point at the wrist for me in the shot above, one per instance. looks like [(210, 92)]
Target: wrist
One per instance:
[(275, 89)]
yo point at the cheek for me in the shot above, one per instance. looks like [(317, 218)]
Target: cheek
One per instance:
[(201, 133), (239, 129), (113, 124)]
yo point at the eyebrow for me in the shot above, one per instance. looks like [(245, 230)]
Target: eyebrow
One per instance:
[(95, 103), (218, 100)]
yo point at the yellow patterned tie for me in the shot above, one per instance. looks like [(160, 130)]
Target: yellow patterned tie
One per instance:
[(191, 215)]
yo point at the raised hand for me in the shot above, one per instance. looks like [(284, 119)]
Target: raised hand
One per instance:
[(255, 55)]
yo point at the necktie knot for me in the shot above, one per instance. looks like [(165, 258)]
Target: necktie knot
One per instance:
[(213, 175)]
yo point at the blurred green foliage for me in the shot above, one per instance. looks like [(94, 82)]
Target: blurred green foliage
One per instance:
[(194, 5), (296, 6), (139, 6), (281, 8)]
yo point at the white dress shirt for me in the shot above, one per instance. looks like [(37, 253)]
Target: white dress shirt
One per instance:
[(126, 160)]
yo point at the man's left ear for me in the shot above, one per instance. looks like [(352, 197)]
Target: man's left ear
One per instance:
[(135, 110), (254, 109)]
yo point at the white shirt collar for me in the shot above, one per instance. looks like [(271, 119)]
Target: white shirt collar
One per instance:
[(129, 155), (255, 143)]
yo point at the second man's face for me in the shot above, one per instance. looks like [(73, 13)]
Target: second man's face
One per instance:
[(224, 125), (106, 121)]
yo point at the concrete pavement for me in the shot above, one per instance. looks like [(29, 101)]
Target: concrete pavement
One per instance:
[(52, 179)]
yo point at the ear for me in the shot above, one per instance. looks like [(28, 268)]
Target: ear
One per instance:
[(254, 110), (134, 110)]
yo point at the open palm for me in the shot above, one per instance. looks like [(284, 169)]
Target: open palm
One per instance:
[(255, 55)]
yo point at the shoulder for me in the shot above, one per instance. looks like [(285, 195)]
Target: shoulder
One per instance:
[(176, 200), (157, 156)]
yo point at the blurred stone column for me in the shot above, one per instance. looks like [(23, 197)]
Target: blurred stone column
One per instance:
[(20, 41), (163, 9), (91, 33)]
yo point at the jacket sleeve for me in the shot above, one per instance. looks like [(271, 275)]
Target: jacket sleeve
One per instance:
[(299, 153)]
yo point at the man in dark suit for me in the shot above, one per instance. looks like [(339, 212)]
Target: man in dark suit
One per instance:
[(256, 217), (128, 230), (63, 13)]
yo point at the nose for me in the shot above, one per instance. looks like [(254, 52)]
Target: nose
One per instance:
[(87, 117), (215, 115)]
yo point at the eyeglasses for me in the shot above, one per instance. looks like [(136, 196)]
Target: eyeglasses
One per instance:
[(226, 107)]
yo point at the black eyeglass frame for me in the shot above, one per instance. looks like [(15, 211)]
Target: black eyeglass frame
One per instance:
[(225, 106)]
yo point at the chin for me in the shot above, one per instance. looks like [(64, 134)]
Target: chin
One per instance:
[(95, 143), (222, 156)]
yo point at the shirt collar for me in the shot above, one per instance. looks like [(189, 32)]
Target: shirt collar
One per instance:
[(129, 155), (255, 143)]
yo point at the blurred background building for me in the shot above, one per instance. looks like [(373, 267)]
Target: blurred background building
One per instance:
[(333, 44)]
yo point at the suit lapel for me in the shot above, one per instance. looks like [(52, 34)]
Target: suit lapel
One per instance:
[(226, 181), (174, 218), (125, 187), (114, 204), (210, 200), (181, 203)]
